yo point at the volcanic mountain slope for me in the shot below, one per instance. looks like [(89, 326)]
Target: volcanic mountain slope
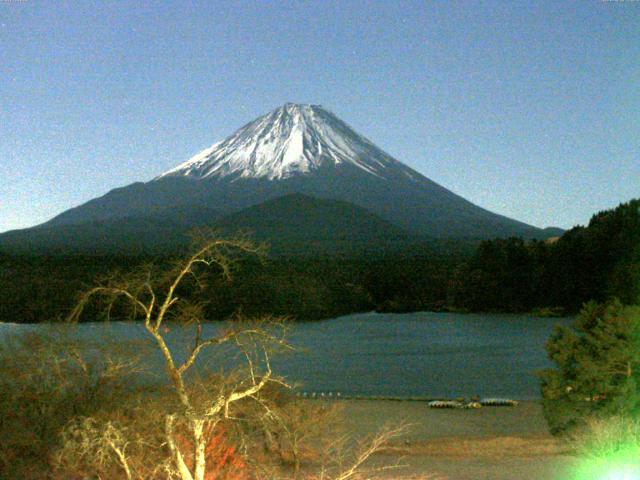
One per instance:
[(161, 231), (294, 223), (301, 149), (298, 224)]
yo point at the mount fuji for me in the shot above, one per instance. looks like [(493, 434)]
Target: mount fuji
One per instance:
[(304, 155)]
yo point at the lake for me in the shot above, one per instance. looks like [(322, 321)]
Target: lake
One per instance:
[(422, 354)]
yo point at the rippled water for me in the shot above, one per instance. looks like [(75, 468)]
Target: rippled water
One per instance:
[(405, 355)]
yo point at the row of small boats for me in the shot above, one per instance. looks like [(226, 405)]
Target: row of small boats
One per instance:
[(484, 402), (457, 403)]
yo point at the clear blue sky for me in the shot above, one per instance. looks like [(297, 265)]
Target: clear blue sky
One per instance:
[(530, 109)]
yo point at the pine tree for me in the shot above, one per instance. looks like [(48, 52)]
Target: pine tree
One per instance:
[(598, 366)]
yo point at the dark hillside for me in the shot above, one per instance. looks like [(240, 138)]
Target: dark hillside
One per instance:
[(595, 262)]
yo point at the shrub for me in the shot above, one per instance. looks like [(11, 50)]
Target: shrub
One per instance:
[(45, 381)]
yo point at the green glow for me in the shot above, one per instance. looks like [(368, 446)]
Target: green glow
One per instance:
[(623, 464)]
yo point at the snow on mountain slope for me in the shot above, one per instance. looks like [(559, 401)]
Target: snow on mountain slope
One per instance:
[(293, 139), (295, 149)]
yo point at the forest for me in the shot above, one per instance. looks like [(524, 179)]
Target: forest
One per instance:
[(556, 276), (596, 262)]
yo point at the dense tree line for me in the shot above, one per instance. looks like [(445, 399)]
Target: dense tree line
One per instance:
[(45, 288), (596, 262)]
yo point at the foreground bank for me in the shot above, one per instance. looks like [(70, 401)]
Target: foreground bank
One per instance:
[(499, 443)]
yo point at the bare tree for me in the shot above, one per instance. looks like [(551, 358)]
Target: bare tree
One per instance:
[(159, 304), (348, 463)]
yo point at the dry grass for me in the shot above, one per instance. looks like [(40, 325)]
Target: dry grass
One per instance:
[(603, 437)]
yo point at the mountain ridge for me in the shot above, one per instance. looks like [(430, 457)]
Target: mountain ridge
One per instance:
[(293, 223), (295, 149)]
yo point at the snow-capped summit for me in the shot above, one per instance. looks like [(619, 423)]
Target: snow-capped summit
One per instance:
[(292, 139)]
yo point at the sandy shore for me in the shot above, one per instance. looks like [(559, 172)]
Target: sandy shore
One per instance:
[(493, 443)]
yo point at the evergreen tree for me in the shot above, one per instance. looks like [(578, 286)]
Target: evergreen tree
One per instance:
[(597, 366)]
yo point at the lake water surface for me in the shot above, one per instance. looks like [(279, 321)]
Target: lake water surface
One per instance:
[(402, 355)]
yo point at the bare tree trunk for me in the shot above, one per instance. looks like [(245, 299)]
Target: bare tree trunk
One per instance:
[(199, 449), (178, 459)]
